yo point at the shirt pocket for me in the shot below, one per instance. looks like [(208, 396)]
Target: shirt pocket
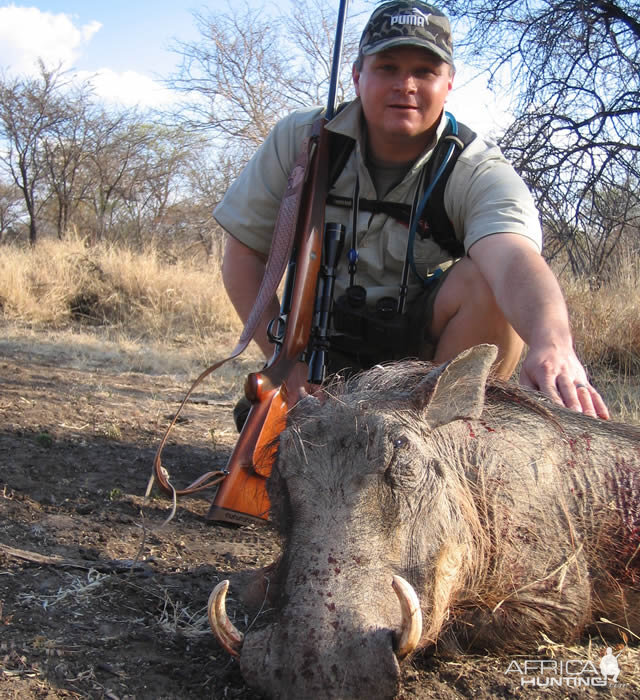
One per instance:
[(394, 241)]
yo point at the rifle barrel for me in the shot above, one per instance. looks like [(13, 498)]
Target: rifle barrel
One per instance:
[(337, 56)]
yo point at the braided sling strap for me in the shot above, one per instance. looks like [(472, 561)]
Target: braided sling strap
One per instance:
[(277, 261)]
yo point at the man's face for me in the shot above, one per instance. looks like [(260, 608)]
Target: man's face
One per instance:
[(403, 91)]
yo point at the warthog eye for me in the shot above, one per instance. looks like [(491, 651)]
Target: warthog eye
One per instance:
[(401, 472), (400, 442)]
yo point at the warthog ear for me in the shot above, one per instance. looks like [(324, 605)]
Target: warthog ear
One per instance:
[(456, 389)]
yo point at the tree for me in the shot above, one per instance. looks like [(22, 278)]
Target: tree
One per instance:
[(115, 144), (573, 69), (249, 69), (10, 198), (209, 176), (65, 156), (29, 108), (156, 180)]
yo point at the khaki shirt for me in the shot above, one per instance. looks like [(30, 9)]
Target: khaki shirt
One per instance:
[(484, 195)]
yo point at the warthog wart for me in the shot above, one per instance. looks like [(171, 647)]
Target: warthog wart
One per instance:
[(508, 516)]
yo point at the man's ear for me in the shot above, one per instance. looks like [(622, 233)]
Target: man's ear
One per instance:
[(355, 74)]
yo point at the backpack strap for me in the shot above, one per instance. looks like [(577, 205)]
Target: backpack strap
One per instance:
[(340, 148), (434, 222)]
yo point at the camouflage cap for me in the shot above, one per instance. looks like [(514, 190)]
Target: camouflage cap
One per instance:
[(402, 22)]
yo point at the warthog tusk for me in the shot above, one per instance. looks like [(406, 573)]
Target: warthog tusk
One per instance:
[(411, 630), (230, 637)]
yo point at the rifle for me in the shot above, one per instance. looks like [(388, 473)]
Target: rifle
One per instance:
[(242, 496)]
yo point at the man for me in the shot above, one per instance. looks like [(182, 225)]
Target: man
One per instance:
[(499, 291)]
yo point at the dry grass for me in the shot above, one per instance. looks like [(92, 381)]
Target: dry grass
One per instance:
[(147, 295), (606, 326), (163, 312), (606, 319), (149, 311)]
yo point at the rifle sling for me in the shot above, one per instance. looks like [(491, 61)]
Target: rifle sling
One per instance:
[(277, 261)]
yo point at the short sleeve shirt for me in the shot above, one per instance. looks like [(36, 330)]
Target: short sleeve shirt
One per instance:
[(483, 196)]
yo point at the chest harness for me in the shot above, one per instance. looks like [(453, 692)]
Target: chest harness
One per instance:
[(386, 326)]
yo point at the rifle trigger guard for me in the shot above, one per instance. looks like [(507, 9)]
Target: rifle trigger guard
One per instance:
[(276, 336)]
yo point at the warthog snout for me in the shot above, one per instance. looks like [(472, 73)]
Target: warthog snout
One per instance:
[(311, 663)]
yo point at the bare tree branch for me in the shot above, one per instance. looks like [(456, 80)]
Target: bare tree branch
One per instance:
[(249, 69), (573, 72)]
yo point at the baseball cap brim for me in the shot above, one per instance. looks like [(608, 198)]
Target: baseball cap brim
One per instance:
[(407, 41)]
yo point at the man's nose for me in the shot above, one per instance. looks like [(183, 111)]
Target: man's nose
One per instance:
[(406, 82)]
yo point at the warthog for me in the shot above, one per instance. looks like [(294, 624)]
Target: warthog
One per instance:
[(510, 518)]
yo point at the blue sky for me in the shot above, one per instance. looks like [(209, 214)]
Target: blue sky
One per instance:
[(124, 45), (133, 33), (125, 42)]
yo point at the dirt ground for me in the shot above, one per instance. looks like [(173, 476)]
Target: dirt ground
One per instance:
[(89, 611)]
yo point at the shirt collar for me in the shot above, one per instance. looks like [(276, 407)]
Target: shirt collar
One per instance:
[(349, 122)]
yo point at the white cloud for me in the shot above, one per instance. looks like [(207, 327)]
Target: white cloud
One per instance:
[(28, 34), (127, 89)]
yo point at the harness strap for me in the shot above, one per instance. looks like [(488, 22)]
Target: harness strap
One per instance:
[(397, 210), (434, 222)]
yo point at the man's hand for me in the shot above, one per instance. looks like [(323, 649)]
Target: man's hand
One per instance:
[(561, 376), (530, 297)]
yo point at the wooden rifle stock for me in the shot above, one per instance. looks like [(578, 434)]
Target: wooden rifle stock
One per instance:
[(242, 496)]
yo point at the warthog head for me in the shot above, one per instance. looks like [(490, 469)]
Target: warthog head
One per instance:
[(362, 497), (512, 519)]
